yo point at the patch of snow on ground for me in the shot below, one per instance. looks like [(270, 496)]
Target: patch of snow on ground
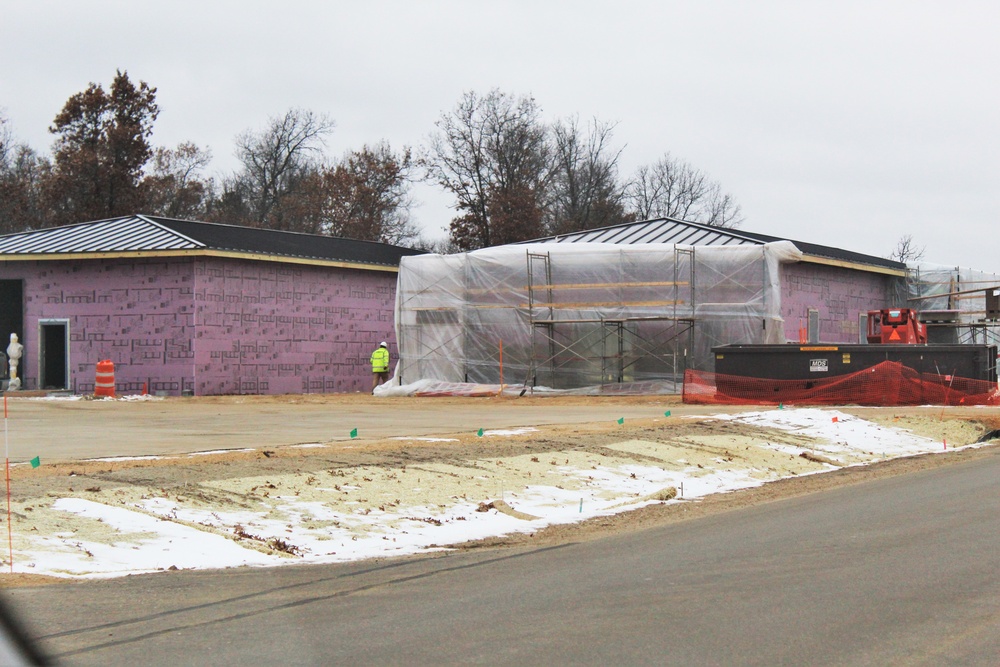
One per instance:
[(115, 459), (51, 397), (147, 544), (157, 533), (509, 431), (406, 437), (842, 433)]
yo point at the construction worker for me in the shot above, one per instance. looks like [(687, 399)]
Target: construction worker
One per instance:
[(380, 365)]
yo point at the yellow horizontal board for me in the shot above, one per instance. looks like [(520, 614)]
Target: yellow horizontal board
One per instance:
[(199, 252)]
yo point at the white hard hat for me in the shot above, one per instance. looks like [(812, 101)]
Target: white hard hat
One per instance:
[(383, 344)]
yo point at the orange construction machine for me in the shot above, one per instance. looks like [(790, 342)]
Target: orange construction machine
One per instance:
[(896, 326)]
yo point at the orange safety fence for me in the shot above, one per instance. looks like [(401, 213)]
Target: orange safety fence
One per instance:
[(889, 383)]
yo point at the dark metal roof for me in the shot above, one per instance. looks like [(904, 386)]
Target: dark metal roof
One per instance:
[(139, 233), (669, 230)]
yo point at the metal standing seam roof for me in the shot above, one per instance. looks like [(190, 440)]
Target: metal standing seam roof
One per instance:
[(669, 230), (115, 235), (143, 233)]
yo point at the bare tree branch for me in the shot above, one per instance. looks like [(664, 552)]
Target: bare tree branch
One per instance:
[(584, 191), (492, 154), (174, 187), (672, 188), (21, 175), (367, 196), (275, 162), (907, 251)]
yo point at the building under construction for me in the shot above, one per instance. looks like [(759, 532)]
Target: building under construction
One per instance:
[(630, 308)]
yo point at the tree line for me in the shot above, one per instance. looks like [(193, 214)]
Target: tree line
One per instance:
[(512, 175)]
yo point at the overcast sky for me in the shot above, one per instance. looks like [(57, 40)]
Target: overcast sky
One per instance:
[(847, 124)]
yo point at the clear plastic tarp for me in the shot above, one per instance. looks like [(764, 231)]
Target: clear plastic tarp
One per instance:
[(595, 316), (958, 305)]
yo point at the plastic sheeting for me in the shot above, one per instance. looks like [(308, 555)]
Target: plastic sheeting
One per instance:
[(953, 300), (583, 315)]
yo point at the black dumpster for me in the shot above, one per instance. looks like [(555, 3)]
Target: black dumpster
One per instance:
[(813, 362)]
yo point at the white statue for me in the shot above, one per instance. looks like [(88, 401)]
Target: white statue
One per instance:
[(14, 352)]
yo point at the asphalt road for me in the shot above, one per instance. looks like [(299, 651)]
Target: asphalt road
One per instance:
[(897, 571)]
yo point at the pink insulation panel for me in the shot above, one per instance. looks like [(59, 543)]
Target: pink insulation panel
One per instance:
[(838, 294), (208, 325)]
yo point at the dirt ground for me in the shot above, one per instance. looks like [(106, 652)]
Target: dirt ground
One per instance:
[(235, 453)]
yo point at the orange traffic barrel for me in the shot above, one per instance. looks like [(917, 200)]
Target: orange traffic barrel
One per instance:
[(104, 386)]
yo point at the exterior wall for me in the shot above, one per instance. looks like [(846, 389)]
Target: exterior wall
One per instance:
[(208, 325), (838, 294), (137, 313), (272, 328)]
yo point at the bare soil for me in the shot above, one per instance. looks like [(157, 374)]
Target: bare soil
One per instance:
[(238, 477)]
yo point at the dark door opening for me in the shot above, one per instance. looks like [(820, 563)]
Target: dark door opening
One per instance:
[(53, 362), (11, 310), (11, 319)]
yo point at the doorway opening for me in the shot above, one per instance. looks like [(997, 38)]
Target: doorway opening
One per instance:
[(11, 319), (53, 354)]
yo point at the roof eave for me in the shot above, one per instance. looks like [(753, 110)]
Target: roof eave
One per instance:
[(857, 266), (199, 252)]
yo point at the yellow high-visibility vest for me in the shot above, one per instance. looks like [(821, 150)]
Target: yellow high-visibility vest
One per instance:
[(380, 360)]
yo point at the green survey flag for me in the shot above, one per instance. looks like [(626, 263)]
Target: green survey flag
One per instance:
[(621, 420), (667, 413), (479, 433), (354, 432), (35, 462)]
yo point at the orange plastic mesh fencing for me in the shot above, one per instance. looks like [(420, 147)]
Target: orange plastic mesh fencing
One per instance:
[(890, 383)]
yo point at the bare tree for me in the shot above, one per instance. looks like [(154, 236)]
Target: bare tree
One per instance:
[(174, 187), (367, 196), (287, 183), (907, 251), (721, 209), (491, 152), (21, 175), (278, 163), (6, 142), (672, 188), (584, 191)]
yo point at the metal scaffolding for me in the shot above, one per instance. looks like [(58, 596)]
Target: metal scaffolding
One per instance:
[(658, 343), (959, 306), (571, 316)]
